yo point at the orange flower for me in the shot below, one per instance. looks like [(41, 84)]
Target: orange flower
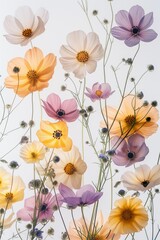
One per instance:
[(30, 73), (54, 135), (133, 117)]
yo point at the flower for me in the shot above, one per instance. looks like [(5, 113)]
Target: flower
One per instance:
[(67, 110), (133, 117), (86, 195), (101, 230), (99, 91), (36, 233), (81, 54), (32, 152), (41, 207), (129, 151), (5, 179), (25, 25), (35, 71), (128, 216), (54, 135), (142, 179), (133, 26), (8, 221), (14, 193)]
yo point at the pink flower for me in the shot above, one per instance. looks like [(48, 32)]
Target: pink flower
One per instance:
[(99, 91), (133, 26), (129, 152), (67, 110), (42, 207)]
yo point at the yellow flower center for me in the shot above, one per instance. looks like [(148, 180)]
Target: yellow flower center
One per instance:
[(9, 196), (57, 134), (82, 56), (127, 214), (27, 32), (98, 93), (33, 77), (33, 155), (130, 120), (70, 169)]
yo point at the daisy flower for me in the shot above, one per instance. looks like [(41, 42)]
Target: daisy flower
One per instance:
[(66, 110), (99, 91), (30, 73), (142, 179), (133, 117), (25, 25), (133, 26), (32, 152), (128, 216), (54, 135), (81, 54)]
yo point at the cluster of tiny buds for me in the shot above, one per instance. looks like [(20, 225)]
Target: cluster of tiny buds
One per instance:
[(44, 191), (31, 123), (145, 103), (150, 67), (128, 61), (111, 152), (23, 124), (136, 194), (13, 165), (24, 139), (34, 184), (83, 112), (140, 95), (50, 231)]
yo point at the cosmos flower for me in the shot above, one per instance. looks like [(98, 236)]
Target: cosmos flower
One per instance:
[(128, 216), (133, 26), (32, 152), (25, 25), (54, 135), (100, 231), (86, 195), (30, 73), (81, 54), (67, 110), (42, 207), (5, 179), (99, 91), (142, 179), (14, 193), (8, 220), (133, 117), (129, 151)]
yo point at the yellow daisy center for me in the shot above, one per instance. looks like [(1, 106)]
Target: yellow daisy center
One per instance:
[(32, 76), (27, 32), (33, 155), (82, 56), (130, 120), (70, 169), (9, 196), (98, 93), (127, 214), (57, 134)]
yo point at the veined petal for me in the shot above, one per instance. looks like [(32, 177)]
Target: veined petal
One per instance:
[(132, 41), (123, 20), (11, 26), (77, 40), (136, 13), (34, 56), (43, 14), (120, 33), (25, 15), (146, 21), (148, 35), (91, 66), (92, 41), (14, 39)]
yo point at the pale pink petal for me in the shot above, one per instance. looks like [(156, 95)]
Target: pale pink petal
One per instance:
[(66, 191), (25, 15), (96, 86), (92, 41), (85, 188), (148, 35), (25, 215), (70, 117), (136, 13), (91, 66), (120, 33), (80, 71), (55, 101), (77, 40), (132, 41), (69, 65), (97, 53), (67, 52), (69, 105), (11, 26), (123, 20), (146, 21), (14, 39), (135, 141), (43, 14)]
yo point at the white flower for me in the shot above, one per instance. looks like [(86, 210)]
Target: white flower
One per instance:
[(25, 25), (142, 179), (81, 54)]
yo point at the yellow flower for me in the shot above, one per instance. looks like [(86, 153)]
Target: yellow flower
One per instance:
[(100, 232), (14, 193), (30, 73), (5, 178), (54, 135), (129, 216), (8, 221), (32, 152), (133, 117)]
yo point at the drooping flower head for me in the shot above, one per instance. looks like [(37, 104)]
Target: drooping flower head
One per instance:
[(129, 151), (54, 135), (100, 231), (99, 91), (32, 152), (132, 117), (25, 25), (133, 26), (128, 216), (67, 110), (30, 73), (86, 195), (81, 54), (142, 179), (41, 207)]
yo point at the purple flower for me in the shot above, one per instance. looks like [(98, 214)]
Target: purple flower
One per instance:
[(99, 91), (129, 152), (133, 26), (86, 195)]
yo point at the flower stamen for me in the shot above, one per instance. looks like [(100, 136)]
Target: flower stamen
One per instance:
[(9, 196), (27, 32), (57, 134), (82, 56), (33, 77), (130, 120), (70, 169), (98, 93), (127, 215)]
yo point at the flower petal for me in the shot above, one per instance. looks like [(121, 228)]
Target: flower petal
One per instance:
[(25, 15), (123, 20), (136, 13), (132, 41), (77, 40), (120, 33), (43, 14), (146, 21), (148, 35)]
